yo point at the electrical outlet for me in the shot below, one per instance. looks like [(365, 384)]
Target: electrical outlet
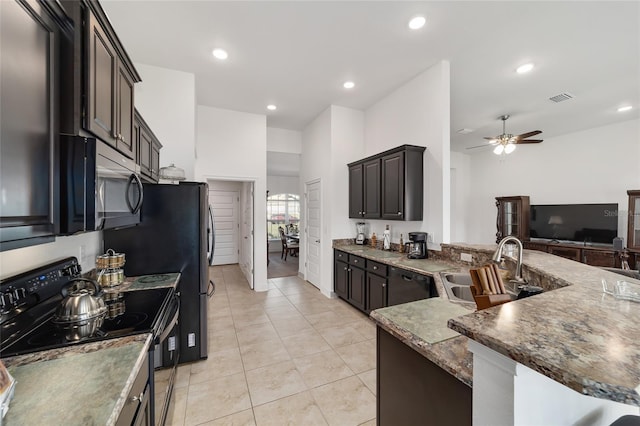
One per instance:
[(82, 253), (466, 257), (430, 238), (192, 339)]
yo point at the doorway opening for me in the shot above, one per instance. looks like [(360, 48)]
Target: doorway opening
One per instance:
[(232, 205)]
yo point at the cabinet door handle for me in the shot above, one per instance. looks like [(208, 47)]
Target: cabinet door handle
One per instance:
[(375, 268), (137, 398), (364, 213), (349, 270), (399, 213), (384, 284), (345, 268)]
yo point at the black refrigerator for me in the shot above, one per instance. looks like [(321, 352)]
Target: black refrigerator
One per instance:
[(175, 234)]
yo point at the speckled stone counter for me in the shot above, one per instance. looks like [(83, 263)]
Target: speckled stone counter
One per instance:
[(79, 385), (422, 325), (573, 333), (146, 282)]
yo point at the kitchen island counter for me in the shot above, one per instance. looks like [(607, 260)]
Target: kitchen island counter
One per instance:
[(574, 334), (77, 385)]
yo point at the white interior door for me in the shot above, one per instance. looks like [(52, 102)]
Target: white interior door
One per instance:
[(225, 211), (246, 230), (313, 216)]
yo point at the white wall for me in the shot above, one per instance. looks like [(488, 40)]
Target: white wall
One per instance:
[(315, 158), (592, 166), (284, 140), (417, 113), (166, 99), (460, 193), (233, 146), (283, 185), (347, 145), (20, 260)]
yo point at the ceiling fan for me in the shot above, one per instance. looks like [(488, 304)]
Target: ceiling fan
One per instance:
[(506, 142)]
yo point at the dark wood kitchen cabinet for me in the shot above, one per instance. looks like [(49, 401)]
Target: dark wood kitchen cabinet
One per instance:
[(388, 185), (137, 407), (349, 279), (412, 390), (30, 37), (99, 79), (364, 190), (148, 147), (376, 292)]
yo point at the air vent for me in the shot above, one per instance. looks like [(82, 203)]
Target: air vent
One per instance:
[(465, 131), (561, 97)]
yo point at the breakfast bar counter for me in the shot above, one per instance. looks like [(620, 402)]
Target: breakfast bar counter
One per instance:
[(574, 334)]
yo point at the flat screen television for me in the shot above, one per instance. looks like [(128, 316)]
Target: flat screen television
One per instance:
[(588, 223)]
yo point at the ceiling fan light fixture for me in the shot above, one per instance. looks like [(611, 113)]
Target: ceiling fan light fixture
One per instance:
[(524, 68), (509, 148), (498, 149)]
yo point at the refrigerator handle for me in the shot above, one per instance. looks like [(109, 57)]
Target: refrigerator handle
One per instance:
[(212, 288)]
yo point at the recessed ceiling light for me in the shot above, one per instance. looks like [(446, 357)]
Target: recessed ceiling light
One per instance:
[(349, 85), (522, 69), (625, 108), (417, 22), (272, 107), (220, 54)]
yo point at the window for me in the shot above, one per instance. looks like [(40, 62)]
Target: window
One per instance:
[(282, 209)]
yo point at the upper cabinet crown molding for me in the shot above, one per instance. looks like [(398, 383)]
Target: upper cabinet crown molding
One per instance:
[(388, 185)]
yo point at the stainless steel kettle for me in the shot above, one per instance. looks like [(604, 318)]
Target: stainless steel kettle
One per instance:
[(82, 310)]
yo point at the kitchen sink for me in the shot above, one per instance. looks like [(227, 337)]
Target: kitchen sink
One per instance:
[(457, 285)]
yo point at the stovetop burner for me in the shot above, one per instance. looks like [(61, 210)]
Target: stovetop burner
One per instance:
[(28, 327)]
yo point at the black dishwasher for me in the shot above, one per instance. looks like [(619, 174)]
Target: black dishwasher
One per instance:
[(406, 286)]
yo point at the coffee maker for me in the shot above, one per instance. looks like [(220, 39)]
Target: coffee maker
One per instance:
[(360, 229), (416, 248)]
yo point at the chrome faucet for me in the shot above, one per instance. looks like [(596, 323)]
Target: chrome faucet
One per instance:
[(497, 256)]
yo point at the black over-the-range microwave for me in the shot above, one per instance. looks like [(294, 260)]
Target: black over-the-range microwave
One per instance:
[(99, 187)]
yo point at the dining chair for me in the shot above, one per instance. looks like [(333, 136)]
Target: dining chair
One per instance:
[(288, 246)]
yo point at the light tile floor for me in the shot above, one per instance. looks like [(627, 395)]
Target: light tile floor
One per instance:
[(287, 356)]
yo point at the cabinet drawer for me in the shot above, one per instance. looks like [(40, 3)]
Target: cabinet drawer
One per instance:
[(377, 268), (356, 261), (535, 246), (340, 255)]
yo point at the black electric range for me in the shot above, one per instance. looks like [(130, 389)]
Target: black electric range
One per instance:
[(29, 301)]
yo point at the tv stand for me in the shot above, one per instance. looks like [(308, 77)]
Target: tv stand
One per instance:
[(593, 255)]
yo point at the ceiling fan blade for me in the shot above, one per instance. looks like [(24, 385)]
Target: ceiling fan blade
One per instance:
[(495, 138), (480, 146), (529, 141), (529, 134)]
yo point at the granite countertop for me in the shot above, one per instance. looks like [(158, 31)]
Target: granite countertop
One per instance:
[(422, 325), (85, 384), (146, 282), (574, 333)]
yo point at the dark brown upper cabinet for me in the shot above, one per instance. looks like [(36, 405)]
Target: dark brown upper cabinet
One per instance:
[(148, 149), (98, 92), (388, 185), (30, 37)]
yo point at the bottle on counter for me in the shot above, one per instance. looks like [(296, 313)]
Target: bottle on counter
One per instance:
[(401, 247), (386, 239), (374, 240)]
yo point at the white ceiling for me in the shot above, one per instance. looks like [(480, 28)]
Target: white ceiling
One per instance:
[(297, 54)]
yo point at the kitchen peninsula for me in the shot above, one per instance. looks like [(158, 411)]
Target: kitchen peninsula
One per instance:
[(576, 346)]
